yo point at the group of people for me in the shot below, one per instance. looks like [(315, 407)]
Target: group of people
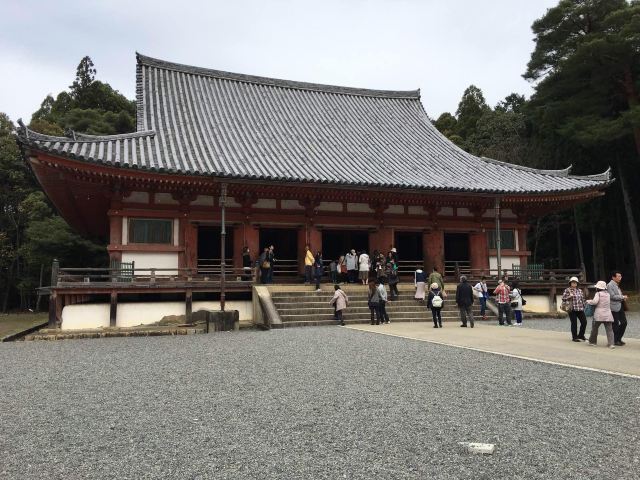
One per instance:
[(376, 300), (607, 307), (508, 298)]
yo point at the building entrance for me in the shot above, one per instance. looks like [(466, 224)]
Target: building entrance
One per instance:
[(456, 253), (339, 242), (209, 243)]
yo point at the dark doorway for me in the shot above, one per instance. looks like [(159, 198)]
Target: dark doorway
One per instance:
[(456, 247), (339, 242), (284, 241), (409, 246), (209, 243)]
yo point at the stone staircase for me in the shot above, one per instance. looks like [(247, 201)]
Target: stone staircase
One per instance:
[(310, 308)]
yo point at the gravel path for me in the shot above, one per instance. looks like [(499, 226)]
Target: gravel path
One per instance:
[(563, 325), (312, 403)]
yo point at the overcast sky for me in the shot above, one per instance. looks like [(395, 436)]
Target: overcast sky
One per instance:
[(438, 46)]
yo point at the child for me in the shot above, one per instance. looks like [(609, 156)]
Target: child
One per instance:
[(435, 303)]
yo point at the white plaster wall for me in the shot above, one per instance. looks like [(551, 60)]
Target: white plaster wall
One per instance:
[(537, 303), (152, 260), (137, 197), (507, 262), (142, 313), (415, 210), (265, 203), (359, 207), (330, 206), (399, 209), (206, 200), (446, 211), (463, 212), (125, 230), (165, 199), (291, 205)]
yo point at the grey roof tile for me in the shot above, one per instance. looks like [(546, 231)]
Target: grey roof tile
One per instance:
[(196, 121)]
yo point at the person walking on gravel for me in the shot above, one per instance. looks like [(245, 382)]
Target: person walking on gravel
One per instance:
[(464, 300), (504, 302), (373, 302), (602, 315), (617, 307), (435, 303), (516, 303), (574, 298), (482, 291), (382, 308), (340, 300)]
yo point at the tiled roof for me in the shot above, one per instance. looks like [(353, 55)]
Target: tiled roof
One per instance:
[(195, 121)]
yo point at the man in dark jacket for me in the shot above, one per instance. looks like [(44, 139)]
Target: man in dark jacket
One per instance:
[(464, 300)]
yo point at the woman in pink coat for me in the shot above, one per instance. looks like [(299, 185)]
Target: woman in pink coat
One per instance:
[(340, 300), (602, 315)]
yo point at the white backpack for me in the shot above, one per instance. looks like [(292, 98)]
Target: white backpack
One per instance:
[(436, 301)]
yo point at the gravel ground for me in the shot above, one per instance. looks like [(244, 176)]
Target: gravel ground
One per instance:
[(564, 325), (313, 403)]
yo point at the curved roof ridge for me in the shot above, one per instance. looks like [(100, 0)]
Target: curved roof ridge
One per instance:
[(77, 137), (563, 172), (275, 82), (600, 177)]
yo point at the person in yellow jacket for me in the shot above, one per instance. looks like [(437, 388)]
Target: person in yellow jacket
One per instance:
[(308, 264)]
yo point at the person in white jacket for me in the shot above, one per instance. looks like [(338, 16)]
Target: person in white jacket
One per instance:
[(364, 264)]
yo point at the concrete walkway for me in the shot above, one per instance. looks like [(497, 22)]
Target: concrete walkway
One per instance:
[(537, 345)]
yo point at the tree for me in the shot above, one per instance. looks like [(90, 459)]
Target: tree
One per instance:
[(448, 126), (90, 106), (587, 65), (470, 109)]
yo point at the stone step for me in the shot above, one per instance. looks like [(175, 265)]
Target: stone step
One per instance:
[(398, 316), (328, 323), (363, 309)]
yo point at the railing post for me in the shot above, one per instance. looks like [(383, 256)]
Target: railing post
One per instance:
[(188, 306), (55, 271), (152, 279)]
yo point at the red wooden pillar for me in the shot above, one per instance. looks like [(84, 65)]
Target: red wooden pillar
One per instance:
[(522, 243), (479, 252), (190, 244), (115, 237), (238, 246), (315, 239), (433, 245), (383, 239), (251, 236)]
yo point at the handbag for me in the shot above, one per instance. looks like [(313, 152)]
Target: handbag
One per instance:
[(589, 309), (566, 306), (343, 268), (266, 264)]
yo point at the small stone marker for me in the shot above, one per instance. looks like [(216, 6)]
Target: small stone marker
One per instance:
[(480, 448)]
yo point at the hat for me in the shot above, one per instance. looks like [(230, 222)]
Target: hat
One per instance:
[(601, 285), (394, 250), (574, 279), (434, 285)]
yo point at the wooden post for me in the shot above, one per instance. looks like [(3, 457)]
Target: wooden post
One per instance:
[(188, 306), (113, 310), (223, 237), (498, 238), (53, 301)]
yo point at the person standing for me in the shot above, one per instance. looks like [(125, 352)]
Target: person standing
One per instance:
[(574, 296), (246, 265), (435, 277), (373, 302), (364, 265), (602, 315), (419, 279), (516, 302), (464, 300), (617, 307), (393, 279), (482, 291), (382, 307), (308, 264), (272, 260), (317, 270), (504, 302), (333, 271), (352, 267), (263, 262), (340, 300), (435, 303), (342, 269)]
